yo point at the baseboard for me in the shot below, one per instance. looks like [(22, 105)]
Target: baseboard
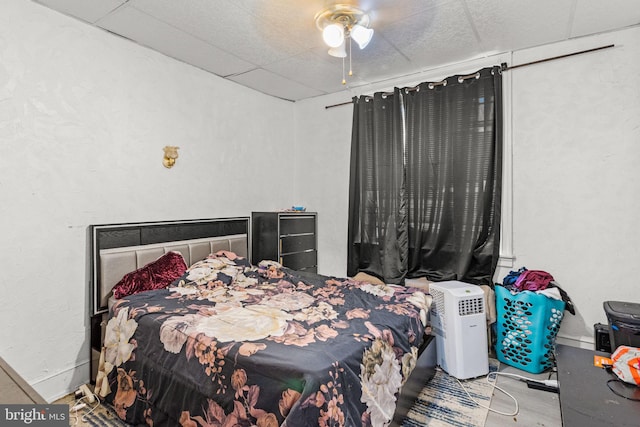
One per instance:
[(582, 342), (60, 384)]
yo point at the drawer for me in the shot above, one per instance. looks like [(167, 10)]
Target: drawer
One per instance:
[(297, 243), (298, 224), (300, 260)]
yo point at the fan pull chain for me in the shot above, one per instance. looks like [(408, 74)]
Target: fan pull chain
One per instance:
[(350, 70), (344, 80)]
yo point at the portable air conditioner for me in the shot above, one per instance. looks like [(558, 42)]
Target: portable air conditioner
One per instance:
[(459, 322)]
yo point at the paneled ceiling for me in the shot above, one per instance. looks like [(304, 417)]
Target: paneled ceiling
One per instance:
[(274, 47)]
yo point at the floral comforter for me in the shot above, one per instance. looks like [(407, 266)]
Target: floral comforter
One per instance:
[(231, 344)]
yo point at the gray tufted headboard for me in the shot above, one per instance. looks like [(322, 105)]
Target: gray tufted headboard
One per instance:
[(118, 249)]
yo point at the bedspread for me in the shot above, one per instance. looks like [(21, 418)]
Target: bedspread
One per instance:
[(232, 344)]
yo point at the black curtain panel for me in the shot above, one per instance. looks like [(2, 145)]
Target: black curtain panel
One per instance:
[(377, 209), (425, 183)]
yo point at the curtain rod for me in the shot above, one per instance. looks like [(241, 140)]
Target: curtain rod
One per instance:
[(507, 68), (503, 66)]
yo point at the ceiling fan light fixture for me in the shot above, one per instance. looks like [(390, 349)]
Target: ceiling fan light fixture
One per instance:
[(339, 51), (340, 24), (361, 35), (333, 35)]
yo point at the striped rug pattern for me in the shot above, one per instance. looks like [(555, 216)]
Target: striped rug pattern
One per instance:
[(443, 402), (95, 416)]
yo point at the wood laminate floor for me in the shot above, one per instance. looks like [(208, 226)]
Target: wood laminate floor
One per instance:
[(537, 408)]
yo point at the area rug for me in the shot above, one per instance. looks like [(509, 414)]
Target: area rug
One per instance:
[(443, 402), (101, 417), (92, 415)]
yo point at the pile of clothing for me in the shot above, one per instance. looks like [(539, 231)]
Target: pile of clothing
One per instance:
[(537, 281)]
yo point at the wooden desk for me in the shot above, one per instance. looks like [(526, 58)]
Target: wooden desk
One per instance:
[(585, 398)]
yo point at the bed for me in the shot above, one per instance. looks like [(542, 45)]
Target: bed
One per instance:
[(231, 343)]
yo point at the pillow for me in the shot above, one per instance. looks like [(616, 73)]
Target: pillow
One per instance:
[(364, 277), (421, 283), (155, 275)]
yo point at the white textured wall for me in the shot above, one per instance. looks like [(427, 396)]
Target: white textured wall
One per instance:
[(576, 149), (84, 116), (576, 181)]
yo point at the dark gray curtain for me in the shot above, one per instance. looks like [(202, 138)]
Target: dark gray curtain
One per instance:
[(425, 181), (377, 207)]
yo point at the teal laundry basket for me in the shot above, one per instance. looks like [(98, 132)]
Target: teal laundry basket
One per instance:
[(526, 327)]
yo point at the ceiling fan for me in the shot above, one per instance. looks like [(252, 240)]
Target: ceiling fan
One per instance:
[(340, 24)]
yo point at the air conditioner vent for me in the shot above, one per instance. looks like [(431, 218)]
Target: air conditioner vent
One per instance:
[(470, 306)]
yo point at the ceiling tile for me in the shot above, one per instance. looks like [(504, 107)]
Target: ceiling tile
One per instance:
[(435, 37), (295, 18), (87, 10), (273, 84), (315, 69), (224, 24), (385, 13), (147, 31), (595, 16), (516, 24)]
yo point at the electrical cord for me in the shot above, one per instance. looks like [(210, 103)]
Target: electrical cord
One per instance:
[(81, 403), (495, 387), (492, 378), (615, 380)]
